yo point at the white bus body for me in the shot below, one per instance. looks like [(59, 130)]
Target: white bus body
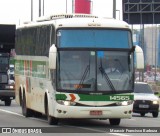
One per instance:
[(60, 68)]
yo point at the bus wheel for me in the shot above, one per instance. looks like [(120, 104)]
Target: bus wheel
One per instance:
[(25, 111), (51, 120), (20, 98), (114, 121)]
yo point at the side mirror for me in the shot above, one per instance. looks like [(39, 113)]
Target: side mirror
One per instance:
[(52, 57), (139, 58)]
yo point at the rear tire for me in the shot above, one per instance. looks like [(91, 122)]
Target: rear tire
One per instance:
[(114, 121), (25, 111), (20, 98), (155, 114)]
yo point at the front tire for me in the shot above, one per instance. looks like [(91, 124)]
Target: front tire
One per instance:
[(155, 114), (142, 114), (51, 120), (7, 102), (114, 121)]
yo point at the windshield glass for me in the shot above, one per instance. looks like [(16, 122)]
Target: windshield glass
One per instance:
[(142, 88), (94, 71), (4, 64), (108, 38)]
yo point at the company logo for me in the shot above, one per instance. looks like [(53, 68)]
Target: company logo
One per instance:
[(6, 130)]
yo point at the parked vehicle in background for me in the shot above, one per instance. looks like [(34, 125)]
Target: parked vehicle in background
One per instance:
[(7, 44), (6, 84), (145, 101)]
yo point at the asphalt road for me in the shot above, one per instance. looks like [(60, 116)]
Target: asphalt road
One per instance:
[(11, 117)]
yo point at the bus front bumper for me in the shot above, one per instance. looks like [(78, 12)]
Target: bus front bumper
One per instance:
[(62, 111)]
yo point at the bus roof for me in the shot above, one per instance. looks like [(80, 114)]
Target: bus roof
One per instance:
[(77, 20)]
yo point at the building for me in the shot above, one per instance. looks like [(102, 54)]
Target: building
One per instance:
[(152, 45)]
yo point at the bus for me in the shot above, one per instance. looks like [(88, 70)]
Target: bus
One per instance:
[(75, 66)]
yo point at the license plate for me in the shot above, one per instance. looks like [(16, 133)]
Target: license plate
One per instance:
[(95, 112), (143, 106)]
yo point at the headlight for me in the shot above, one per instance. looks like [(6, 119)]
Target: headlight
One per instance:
[(155, 102), (66, 103), (9, 87), (124, 103)]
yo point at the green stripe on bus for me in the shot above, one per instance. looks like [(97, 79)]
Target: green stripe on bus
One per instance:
[(83, 97), (61, 97), (105, 97)]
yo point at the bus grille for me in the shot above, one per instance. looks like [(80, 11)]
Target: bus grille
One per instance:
[(3, 78)]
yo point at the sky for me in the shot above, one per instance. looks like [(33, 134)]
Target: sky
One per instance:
[(19, 11)]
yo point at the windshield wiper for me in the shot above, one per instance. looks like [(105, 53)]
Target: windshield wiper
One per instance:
[(87, 69), (83, 76), (106, 78)]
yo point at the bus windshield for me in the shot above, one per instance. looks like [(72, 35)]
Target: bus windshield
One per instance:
[(94, 71), (95, 38)]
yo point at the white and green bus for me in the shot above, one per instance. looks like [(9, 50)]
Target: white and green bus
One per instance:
[(75, 66)]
